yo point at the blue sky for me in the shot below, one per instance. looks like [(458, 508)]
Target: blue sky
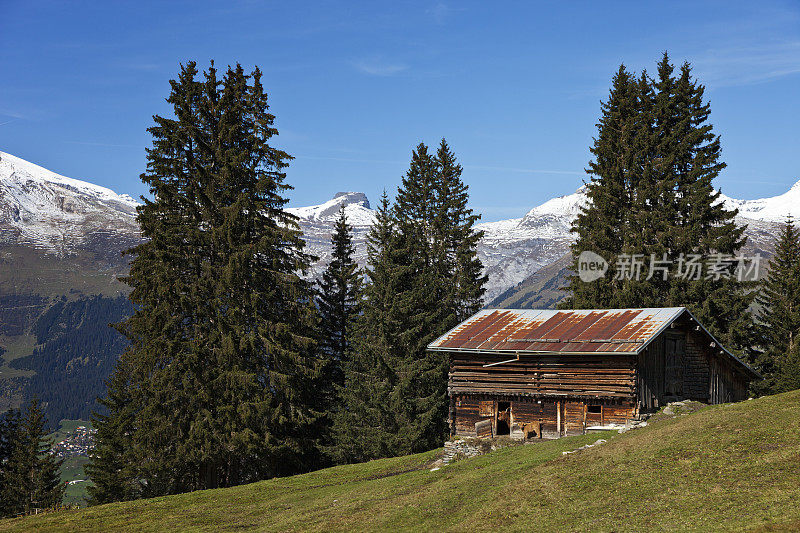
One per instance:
[(514, 87)]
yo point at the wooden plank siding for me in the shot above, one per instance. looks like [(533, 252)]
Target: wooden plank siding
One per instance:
[(682, 365), (574, 416), (569, 392), (586, 376)]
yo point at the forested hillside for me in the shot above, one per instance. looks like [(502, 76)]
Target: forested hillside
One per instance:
[(75, 353)]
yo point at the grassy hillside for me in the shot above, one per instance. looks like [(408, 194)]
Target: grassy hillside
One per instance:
[(728, 467)]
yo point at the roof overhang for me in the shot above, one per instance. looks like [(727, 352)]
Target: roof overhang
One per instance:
[(668, 316)]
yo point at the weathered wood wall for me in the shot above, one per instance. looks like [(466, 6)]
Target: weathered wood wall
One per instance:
[(574, 416), (557, 389), (576, 376), (681, 364)]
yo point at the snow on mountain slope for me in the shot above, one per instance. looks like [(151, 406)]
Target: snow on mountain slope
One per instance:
[(317, 222), (512, 250), (62, 215), (773, 209), (356, 208), (42, 209)]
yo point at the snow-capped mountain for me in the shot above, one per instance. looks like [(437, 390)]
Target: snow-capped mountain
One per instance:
[(356, 208), (512, 250), (773, 209), (60, 215), (317, 222)]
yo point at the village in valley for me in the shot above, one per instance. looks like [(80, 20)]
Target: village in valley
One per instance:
[(419, 266), (78, 443)]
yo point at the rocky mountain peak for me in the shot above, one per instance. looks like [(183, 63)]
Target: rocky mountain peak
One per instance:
[(352, 198)]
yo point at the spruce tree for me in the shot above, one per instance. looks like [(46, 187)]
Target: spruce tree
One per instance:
[(338, 298), (603, 226), (30, 477), (113, 460), (652, 196), (222, 362), (789, 370), (365, 425), (779, 313), (426, 302), (458, 240), (703, 225), (9, 428), (424, 277)]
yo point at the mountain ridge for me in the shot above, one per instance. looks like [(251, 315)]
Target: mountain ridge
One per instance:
[(45, 210)]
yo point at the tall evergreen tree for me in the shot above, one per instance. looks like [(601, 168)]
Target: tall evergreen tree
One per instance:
[(420, 398), (779, 313), (338, 291), (30, 477), (652, 197), (113, 460), (601, 227), (458, 257), (221, 366), (424, 277), (338, 298), (703, 225), (365, 425)]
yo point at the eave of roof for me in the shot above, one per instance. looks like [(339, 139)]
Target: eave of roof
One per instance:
[(627, 331)]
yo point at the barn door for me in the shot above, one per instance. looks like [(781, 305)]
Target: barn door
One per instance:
[(674, 350)]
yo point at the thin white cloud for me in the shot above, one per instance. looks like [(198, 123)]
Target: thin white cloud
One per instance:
[(13, 114), (745, 65), (439, 11), (527, 170), (375, 67)]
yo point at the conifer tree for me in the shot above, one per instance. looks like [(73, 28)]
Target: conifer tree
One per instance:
[(789, 374), (221, 367), (9, 428), (338, 298), (424, 277), (338, 292), (458, 257), (779, 313), (690, 151), (30, 477), (652, 197), (441, 283), (113, 465), (602, 226), (420, 397), (365, 426)]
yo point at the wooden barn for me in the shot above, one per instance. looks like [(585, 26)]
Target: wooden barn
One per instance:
[(546, 373)]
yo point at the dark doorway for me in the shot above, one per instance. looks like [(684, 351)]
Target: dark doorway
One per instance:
[(503, 418)]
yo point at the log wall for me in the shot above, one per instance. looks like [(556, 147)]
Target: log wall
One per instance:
[(586, 376)]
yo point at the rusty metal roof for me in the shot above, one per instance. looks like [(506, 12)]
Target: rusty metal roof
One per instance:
[(579, 331), (550, 331)]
